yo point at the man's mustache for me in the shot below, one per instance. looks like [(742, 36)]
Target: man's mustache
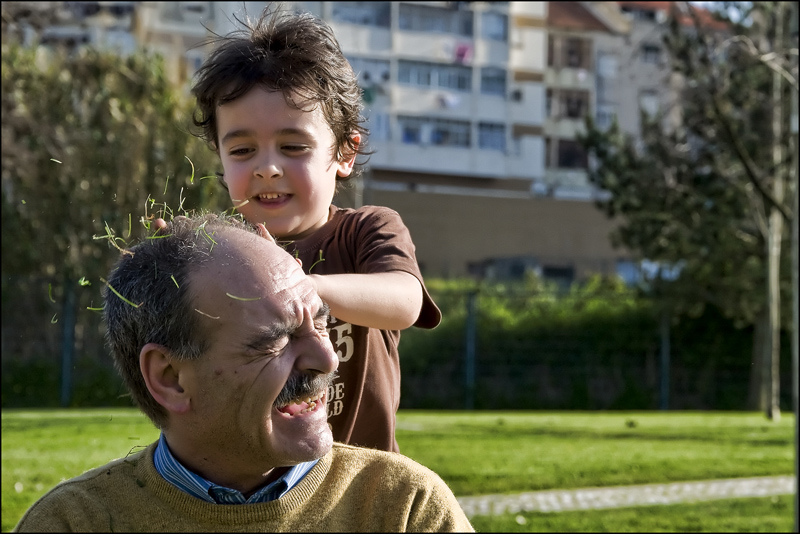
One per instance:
[(301, 386)]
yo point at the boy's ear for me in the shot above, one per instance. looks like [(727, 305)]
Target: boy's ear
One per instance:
[(163, 377), (345, 164)]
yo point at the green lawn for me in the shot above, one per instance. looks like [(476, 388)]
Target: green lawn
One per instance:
[(476, 453), (764, 514), (506, 452)]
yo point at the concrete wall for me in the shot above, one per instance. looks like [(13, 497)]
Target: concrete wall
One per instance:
[(451, 231)]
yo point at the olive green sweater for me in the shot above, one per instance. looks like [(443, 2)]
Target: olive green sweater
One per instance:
[(351, 489)]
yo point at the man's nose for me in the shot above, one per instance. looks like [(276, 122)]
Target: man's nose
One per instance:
[(317, 354)]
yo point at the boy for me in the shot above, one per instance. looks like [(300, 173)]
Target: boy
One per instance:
[(281, 106)]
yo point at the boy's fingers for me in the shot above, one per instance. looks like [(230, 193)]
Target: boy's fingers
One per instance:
[(263, 232), (161, 224)]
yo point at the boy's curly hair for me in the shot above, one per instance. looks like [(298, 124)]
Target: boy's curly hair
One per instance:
[(295, 53)]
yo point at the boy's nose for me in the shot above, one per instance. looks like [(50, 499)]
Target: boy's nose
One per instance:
[(268, 168)]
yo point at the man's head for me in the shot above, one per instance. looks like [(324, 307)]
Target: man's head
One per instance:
[(294, 54), (221, 339)]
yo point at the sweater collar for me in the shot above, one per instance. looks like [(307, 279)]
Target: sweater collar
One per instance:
[(185, 480)]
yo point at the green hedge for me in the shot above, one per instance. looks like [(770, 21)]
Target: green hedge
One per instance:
[(596, 346)]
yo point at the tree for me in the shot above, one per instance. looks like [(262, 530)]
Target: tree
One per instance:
[(712, 193), (90, 141)]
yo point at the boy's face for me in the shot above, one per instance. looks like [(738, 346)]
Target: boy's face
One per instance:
[(279, 162)]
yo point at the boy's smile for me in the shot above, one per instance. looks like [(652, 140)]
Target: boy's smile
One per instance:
[(279, 162)]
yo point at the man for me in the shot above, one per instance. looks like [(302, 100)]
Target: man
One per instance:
[(221, 340)]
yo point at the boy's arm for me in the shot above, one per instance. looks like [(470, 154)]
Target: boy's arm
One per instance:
[(387, 301)]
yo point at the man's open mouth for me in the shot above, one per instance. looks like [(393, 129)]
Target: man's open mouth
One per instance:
[(304, 405)]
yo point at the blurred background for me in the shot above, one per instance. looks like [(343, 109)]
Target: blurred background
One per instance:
[(602, 194)]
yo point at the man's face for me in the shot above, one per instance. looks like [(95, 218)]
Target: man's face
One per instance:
[(266, 325), (279, 162)]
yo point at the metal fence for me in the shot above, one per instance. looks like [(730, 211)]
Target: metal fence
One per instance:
[(493, 350)]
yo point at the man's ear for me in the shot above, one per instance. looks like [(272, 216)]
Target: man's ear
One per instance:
[(345, 164), (162, 374)]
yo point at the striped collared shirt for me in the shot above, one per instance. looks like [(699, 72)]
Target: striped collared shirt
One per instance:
[(176, 474)]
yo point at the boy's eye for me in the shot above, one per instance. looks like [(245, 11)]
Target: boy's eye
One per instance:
[(294, 148), (239, 151)]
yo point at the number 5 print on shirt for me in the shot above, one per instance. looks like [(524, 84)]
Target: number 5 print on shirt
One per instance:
[(343, 341)]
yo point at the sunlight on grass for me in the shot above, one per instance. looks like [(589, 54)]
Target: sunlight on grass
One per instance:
[(506, 452), (474, 452), (765, 514)]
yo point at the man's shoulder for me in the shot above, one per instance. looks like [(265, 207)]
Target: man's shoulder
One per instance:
[(84, 492), (391, 485), (393, 465), (97, 475)]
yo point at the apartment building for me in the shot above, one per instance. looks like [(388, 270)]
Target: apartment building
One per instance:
[(582, 66), (72, 24)]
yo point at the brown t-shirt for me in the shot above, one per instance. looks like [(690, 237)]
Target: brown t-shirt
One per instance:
[(364, 398)]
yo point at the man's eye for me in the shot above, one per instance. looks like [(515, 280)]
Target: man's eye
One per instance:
[(275, 347)]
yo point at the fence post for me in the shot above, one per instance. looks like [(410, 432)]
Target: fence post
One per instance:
[(67, 342), (469, 354), (665, 349)]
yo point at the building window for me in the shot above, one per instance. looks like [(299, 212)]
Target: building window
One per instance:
[(629, 272), (648, 102), (370, 71), (440, 132), (563, 276), (411, 129), (415, 73), (607, 65), (548, 147), (574, 104), (640, 14), (493, 81), (513, 268), (572, 52), (571, 155), (570, 104), (454, 77), (421, 18), (492, 136), (379, 127), (450, 133), (605, 116), (494, 26), (651, 53), (577, 53), (366, 13)]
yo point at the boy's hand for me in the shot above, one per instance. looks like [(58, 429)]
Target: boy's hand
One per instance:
[(263, 232), (160, 224)]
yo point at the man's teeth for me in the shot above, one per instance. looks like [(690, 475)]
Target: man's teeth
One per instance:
[(310, 401), (269, 196)]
